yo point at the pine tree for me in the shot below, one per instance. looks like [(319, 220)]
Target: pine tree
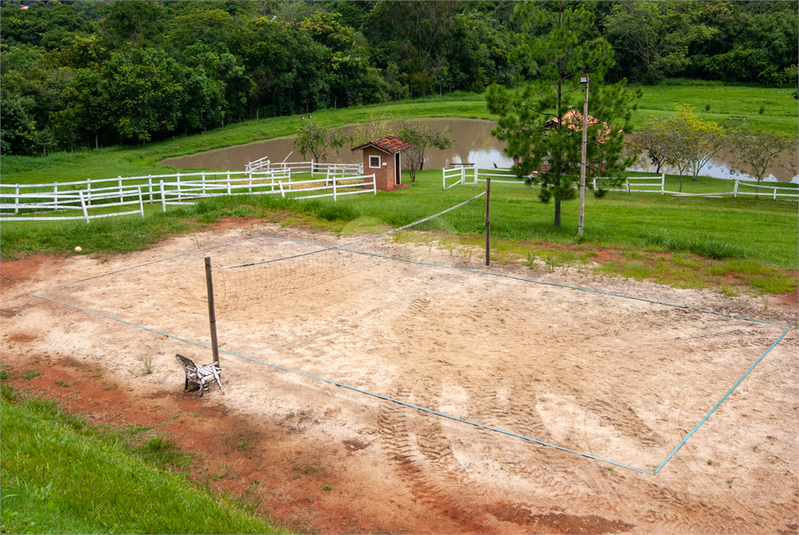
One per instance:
[(542, 119)]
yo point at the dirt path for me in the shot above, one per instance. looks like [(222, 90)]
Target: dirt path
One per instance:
[(617, 379)]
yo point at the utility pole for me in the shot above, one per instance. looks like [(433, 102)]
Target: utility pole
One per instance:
[(583, 80)]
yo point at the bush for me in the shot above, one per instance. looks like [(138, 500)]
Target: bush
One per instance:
[(341, 212), (707, 247)]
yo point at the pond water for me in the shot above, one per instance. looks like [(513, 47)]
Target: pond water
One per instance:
[(472, 142)]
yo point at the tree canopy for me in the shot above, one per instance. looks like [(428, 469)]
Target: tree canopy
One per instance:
[(76, 73)]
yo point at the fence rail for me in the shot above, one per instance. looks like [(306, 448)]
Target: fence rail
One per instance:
[(179, 193), (462, 175), (312, 167), (28, 202), (134, 193), (638, 184), (794, 192), (469, 174)]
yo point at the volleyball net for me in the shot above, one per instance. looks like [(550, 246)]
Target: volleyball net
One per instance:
[(278, 268)]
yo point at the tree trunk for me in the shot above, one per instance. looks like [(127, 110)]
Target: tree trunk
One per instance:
[(557, 212)]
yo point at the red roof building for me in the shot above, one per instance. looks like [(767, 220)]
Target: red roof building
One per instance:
[(382, 158)]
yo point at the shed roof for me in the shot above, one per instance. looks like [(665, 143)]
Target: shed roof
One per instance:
[(573, 120), (388, 144)]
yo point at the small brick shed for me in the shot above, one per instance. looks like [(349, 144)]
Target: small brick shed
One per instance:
[(382, 157)]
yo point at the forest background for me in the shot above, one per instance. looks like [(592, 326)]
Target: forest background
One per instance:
[(89, 73)]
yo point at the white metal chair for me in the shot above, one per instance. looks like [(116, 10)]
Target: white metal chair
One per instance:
[(200, 376)]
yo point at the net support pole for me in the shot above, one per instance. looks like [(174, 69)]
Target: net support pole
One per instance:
[(211, 313), (488, 221)]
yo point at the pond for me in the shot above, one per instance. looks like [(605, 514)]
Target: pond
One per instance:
[(472, 142)]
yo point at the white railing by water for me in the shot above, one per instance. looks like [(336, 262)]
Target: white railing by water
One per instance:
[(637, 184), (468, 174), (312, 167), (776, 192)]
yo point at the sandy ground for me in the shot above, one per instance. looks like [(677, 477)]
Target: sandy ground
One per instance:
[(617, 382)]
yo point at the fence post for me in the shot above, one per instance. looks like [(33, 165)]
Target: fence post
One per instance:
[(249, 184), (55, 194), (203, 182), (477, 175), (83, 206), (775, 194), (141, 203), (282, 193), (89, 190), (334, 190), (16, 199), (374, 184), (735, 190), (594, 179), (663, 184), (228, 182), (119, 181), (311, 168), (177, 175), (628, 185), (163, 197)]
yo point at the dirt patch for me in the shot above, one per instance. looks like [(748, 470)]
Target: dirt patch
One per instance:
[(322, 458), (26, 269)]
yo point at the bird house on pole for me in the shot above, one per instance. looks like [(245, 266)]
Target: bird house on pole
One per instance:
[(383, 158)]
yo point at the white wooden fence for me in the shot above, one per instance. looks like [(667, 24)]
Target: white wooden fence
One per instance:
[(638, 184), (463, 174), (312, 167), (28, 201), (466, 174), (183, 192), (776, 191), (79, 200)]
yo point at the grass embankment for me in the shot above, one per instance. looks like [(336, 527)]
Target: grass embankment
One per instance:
[(60, 475)]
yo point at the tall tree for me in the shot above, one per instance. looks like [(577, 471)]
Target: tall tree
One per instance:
[(542, 120), (422, 137), (145, 92), (692, 141), (317, 140), (757, 150), (653, 138), (653, 37), (413, 32)]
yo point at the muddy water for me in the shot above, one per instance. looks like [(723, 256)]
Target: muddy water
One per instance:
[(472, 142)]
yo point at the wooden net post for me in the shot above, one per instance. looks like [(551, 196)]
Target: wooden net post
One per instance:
[(211, 313), (488, 221)]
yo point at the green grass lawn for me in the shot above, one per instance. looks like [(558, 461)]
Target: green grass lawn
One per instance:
[(760, 230), (61, 476), (716, 101)]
